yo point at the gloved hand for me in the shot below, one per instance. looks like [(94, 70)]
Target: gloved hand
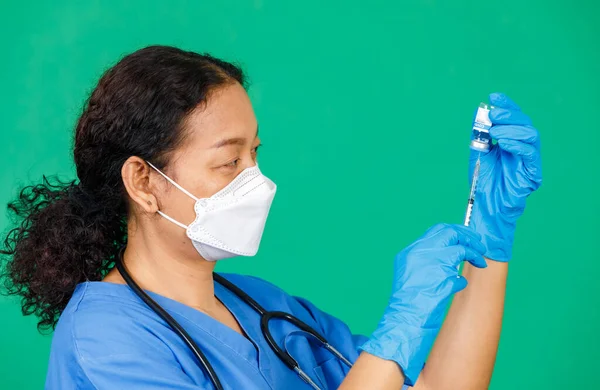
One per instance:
[(425, 277), (509, 172)]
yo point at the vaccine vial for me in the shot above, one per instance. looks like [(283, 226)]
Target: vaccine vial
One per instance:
[(481, 141)]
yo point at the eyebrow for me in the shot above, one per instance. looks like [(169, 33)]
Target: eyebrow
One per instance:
[(232, 141)]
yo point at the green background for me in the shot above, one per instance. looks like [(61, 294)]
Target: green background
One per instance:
[(365, 111)]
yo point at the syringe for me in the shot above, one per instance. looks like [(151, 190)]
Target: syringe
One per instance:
[(472, 193), (481, 141)]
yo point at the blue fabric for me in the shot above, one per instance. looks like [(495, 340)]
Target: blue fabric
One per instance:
[(107, 338), (509, 173)]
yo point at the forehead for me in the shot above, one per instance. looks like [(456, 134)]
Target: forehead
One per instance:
[(227, 113)]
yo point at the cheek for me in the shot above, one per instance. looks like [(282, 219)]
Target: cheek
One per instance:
[(208, 181), (177, 205), (212, 183)]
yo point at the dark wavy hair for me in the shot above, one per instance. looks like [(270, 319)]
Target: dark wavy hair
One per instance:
[(70, 232)]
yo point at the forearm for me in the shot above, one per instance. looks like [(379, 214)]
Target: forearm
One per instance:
[(371, 372), (464, 352)]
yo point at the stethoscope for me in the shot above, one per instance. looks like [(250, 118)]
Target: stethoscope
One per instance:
[(265, 317)]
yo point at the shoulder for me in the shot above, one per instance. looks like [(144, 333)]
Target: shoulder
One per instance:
[(107, 339), (102, 320)]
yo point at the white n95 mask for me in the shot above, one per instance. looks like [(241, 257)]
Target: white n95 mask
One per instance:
[(231, 222)]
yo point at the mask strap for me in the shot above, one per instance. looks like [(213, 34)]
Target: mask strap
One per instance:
[(173, 182), (171, 219)]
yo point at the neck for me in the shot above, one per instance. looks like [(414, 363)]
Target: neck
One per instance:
[(164, 270)]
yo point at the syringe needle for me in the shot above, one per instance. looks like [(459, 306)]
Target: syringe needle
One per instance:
[(472, 195), (473, 190)]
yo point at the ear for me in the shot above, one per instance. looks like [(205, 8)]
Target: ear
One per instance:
[(136, 178)]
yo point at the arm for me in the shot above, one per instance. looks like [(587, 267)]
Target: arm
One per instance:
[(468, 338), (470, 334), (464, 353), (371, 372), (368, 371), (426, 277)]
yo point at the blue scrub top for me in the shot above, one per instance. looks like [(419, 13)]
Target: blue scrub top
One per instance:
[(107, 338)]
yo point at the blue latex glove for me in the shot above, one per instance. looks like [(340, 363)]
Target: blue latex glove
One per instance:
[(509, 172), (425, 277)]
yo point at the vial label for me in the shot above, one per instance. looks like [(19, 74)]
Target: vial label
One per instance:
[(482, 120), (480, 138)]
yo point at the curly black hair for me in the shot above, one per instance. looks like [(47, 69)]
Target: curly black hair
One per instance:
[(70, 232)]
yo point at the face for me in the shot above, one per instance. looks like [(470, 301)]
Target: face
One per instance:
[(221, 141)]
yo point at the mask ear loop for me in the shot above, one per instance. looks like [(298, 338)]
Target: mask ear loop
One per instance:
[(180, 188), (171, 219), (173, 182)]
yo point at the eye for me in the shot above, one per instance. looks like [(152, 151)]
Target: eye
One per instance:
[(232, 164), (255, 150)]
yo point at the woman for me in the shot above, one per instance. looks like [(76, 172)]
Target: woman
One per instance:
[(165, 152)]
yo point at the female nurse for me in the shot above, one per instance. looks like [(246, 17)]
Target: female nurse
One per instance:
[(168, 183)]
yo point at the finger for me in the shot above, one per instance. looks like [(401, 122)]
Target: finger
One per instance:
[(462, 235), (525, 134), (457, 283), (526, 151), (531, 160), (456, 254), (434, 229), (503, 116), (443, 235), (470, 238), (475, 258), (498, 99), (446, 234)]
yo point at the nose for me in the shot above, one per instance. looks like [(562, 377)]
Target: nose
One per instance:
[(251, 164), (248, 161), (246, 165)]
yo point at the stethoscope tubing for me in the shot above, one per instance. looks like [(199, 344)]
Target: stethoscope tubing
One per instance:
[(187, 339), (265, 317)]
